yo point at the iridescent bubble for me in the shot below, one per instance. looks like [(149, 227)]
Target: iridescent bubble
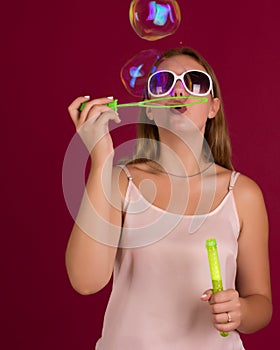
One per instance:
[(153, 20), (135, 72)]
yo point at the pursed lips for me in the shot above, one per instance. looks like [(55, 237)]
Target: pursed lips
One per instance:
[(180, 109), (181, 101)]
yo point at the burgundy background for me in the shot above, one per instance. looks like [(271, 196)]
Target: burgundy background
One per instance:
[(53, 51)]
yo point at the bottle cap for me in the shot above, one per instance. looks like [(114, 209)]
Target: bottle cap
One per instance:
[(211, 243)]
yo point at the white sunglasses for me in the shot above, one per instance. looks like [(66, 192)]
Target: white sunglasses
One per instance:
[(196, 82)]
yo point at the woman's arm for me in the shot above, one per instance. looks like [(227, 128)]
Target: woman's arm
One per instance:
[(92, 246), (253, 274), (247, 308)]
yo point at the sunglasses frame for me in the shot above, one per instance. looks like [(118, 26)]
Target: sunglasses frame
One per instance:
[(181, 78)]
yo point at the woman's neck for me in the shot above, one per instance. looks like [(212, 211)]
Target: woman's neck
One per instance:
[(183, 157)]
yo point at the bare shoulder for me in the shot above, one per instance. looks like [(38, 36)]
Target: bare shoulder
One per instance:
[(249, 201), (122, 173), (247, 190), (247, 193)]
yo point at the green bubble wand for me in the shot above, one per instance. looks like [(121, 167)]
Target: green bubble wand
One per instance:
[(215, 270), (153, 103)]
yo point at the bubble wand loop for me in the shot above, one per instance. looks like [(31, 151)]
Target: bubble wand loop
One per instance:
[(215, 270), (152, 103)]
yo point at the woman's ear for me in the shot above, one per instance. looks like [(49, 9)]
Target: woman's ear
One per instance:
[(215, 106), (149, 113)]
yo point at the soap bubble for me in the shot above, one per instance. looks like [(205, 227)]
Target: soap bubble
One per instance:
[(134, 73), (153, 20)]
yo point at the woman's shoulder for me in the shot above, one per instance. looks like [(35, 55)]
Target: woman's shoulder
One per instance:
[(249, 199), (244, 185), (248, 195), (130, 169), (247, 188), (123, 173), (134, 170)]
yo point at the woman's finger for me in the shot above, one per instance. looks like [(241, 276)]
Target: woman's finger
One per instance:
[(91, 108), (206, 295), (73, 108), (98, 112)]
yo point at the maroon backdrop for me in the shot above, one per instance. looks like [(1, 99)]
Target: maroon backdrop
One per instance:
[(53, 51)]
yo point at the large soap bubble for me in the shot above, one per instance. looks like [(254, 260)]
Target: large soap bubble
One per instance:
[(135, 72), (153, 20)]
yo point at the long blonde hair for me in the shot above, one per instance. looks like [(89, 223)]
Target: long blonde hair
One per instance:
[(216, 131)]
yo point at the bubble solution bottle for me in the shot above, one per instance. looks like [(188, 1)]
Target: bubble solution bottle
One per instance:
[(215, 271)]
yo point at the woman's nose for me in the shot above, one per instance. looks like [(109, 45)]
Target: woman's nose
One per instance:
[(179, 89)]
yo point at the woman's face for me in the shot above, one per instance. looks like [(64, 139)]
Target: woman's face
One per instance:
[(178, 119)]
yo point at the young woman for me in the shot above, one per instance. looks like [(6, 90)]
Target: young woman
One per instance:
[(148, 221)]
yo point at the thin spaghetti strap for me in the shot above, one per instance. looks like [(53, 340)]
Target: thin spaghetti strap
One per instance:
[(233, 178), (124, 168)]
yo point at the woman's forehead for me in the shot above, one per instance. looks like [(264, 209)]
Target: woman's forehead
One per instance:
[(180, 63)]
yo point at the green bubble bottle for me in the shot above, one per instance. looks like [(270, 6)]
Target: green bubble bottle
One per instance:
[(215, 270)]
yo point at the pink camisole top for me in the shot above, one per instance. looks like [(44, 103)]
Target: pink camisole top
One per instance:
[(160, 272)]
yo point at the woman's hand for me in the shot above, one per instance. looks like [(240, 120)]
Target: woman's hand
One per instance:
[(92, 123), (225, 307)]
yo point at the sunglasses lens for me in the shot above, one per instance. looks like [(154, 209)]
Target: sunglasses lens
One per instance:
[(197, 82), (161, 82)]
